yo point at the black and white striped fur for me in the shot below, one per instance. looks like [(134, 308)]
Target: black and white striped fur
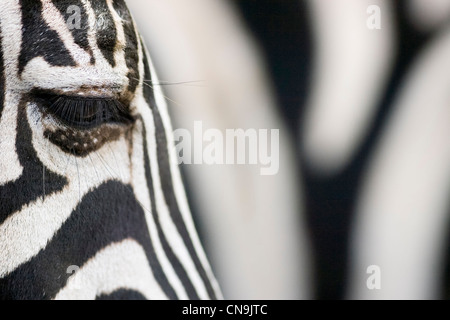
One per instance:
[(105, 197)]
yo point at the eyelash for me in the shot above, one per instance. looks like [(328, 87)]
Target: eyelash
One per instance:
[(84, 112)]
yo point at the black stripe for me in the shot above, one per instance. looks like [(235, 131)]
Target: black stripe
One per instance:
[(108, 214), (181, 273), (40, 41), (285, 37), (32, 184), (105, 30), (166, 181), (122, 294), (131, 45), (2, 77), (80, 35)]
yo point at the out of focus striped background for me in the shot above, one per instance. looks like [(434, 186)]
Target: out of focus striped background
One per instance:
[(364, 120)]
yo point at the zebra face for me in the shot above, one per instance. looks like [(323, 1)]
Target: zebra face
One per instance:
[(88, 179)]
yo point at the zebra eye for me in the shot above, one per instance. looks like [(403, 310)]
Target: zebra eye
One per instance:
[(83, 112)]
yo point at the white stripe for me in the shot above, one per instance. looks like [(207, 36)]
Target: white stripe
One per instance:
[(173, 237), (55, 21), (100, 60), (178, 185), (38, 73), (119, 50), (402, 216), (10, 168), (120, 265), (140, 183), (349, 55), (142, 195)]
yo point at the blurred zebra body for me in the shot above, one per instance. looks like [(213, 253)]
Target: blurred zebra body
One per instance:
[(363, 122)]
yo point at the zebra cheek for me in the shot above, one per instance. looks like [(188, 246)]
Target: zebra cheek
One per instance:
[(83, 142)]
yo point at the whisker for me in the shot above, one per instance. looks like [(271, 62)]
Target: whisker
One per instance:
[(117, 163), (67, 164), (166, 97), (79, 183), (193, 83), (84, 174), (125, 186), (106, 165), (93, 166)]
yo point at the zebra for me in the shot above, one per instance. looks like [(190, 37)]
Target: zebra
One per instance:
[(92, 204)]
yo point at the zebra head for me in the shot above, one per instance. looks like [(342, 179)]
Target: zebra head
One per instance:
[(88, 177)]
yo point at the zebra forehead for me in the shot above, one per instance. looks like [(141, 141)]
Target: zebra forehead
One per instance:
[(39, 40), (71, 33)]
